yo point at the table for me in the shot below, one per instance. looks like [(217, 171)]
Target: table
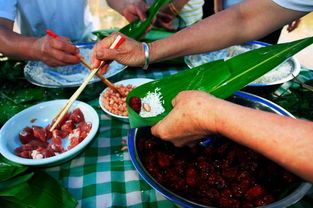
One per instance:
[(103, 175)]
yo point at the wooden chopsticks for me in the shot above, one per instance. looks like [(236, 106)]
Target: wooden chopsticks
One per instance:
[(84, 62), (118, 41)]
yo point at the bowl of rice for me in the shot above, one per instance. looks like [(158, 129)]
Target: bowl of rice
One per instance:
[(115, 105)]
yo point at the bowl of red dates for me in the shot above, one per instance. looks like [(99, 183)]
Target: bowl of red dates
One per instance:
[(27, 138), (216, 172)]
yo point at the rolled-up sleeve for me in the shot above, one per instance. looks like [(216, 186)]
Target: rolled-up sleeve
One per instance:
[(298, 5), (8, 9)]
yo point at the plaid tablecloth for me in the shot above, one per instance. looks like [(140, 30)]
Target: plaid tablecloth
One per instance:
[(103, 175)]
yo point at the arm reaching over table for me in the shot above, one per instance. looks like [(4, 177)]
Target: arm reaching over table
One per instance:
[(248, 20), (53, 52), (196, 114)]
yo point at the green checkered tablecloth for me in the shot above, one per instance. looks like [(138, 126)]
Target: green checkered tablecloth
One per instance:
[(103, 175)]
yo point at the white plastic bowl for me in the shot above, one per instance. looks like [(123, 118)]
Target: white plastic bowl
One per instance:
[(135, 82), (42, 115)]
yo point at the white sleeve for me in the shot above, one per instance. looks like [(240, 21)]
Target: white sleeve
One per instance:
[(298, 5), (8, 9)]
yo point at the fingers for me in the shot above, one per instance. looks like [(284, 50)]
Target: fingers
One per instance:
[(64, 57), (135, 11), (55, 51), (179, 96), (166, 26), (102, 52), (104, 69), (63, 44), (160, 130), (130, 16), (141, 11)]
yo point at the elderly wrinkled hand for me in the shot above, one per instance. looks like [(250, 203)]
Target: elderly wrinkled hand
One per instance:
[(130, 53), (55, 51), (193, 117)]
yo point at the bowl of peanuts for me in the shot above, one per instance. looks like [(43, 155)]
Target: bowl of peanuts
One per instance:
[(113, 103)]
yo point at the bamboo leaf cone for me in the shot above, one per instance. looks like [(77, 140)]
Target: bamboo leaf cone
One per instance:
[(219, 78)]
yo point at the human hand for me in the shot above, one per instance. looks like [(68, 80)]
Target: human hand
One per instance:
[(165, 18), (130, 53), (192, 118), (135, 10), (55, 51)]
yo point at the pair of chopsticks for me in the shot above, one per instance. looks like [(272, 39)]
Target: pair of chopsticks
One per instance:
[(117, 42), (84, 62)]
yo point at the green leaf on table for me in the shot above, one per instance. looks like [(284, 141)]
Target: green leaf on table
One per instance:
[(17, 180), (48, 193), (24, 95), (153, 35), (19, 191), (40, 191), (220, 78), (137, 28), (9, 169), (9, 109), (9, 202), (10, 70)]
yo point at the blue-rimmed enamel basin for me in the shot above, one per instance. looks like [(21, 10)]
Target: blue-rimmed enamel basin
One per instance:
[(241, 98)]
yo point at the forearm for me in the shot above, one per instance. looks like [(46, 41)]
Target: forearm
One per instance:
[(15, 45), (243, 22), (285, 140)]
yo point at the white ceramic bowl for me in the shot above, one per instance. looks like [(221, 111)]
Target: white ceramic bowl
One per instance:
[(135, 82), (42, 115)]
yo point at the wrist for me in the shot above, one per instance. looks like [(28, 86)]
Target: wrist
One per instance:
[(146, 51), (34, 52), (214, 110), (176, 6), (27, 49)]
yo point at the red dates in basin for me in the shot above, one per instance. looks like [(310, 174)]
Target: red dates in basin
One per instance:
[(221, 174)]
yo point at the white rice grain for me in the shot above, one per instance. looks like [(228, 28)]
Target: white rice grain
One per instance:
[(155, 101)]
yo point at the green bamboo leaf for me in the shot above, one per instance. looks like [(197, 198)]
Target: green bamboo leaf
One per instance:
[(5, 185), (9, 169), (19, 191), (51, 196), (9, 202), (40, 191), (251, 65), (220, 78), (137, 28), (153, 35), (171, 85)]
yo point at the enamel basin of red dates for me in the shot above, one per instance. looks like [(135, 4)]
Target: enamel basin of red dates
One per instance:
[(222, 174)]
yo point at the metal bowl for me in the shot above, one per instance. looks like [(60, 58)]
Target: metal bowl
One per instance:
[(241, 98), (38, 73)]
